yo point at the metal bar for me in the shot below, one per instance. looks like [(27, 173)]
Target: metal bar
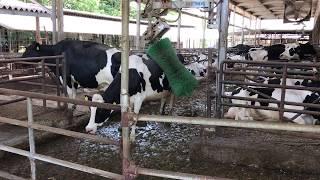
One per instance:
[(64, 79), (32, 147), (178, 33), (137, 42), (283, 92), (124, 94), (273, 109), (242, 30), (13, 60), (257, 92), (223, 39), (237, 69), (63, 163), (10, 176), (21, 79), (37, 84), (33, 63), (311, 105), (230, 123), (272, 85), (12, 101), (174, 175), (59, 131), (57, 78), (208, 80), (43, 81), (274, 62), (57, 98)]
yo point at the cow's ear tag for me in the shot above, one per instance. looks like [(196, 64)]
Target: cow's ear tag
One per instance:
[(86, 98), (114, 103), (38, 48)]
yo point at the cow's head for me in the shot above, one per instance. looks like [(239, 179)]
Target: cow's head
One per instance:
[(33, 50), (291, 51), (97, 115), (305, 49)]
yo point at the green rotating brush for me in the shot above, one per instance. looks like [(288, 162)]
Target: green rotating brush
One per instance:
[(182, 82)]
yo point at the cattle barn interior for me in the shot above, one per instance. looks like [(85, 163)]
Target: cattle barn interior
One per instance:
[(234, 85)]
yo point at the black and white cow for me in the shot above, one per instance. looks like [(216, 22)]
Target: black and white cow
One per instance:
[(146, 82), (89, 64), (281, 51), (300, 96)]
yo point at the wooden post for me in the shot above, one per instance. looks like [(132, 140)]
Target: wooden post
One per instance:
[(60, 19), (54, 21), (38, 36)]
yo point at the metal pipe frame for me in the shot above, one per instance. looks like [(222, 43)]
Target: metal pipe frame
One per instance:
[(124, 93), (13, 60), (32, 147), (229, 123), (63, 163), (21, 79), (58, 98), (12, 101), (59, 131), (174, 175)]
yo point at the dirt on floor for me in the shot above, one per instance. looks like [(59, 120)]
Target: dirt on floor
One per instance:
[(158, 146)]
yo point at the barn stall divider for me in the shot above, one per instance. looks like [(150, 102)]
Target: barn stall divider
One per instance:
[(284, 71), (59, 63)]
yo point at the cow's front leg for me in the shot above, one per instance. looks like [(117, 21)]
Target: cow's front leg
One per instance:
[(136, 109)]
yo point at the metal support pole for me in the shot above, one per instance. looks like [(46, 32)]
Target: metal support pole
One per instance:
[(178, 34), (283, 92), (233, 27), (43, 81), (138, 24), (204, 25), (249, 30), (64, 78), (124, 96), (31, 139), (57, 80), (54, 22), (255, 32), (223, 38), (242, 30), (209, 71)]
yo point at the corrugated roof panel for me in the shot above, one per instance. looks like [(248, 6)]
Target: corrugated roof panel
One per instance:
[(22, 6)]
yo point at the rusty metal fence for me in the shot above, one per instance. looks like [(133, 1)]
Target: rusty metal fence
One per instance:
[(284, 71), (43, 62)]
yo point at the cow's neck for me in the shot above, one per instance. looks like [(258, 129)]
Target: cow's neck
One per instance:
[(47, 50)]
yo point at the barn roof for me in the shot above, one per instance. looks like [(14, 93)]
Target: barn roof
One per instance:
[(267, 9), (21, 8)]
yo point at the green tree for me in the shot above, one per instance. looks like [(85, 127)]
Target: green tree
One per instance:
[(108, 7)]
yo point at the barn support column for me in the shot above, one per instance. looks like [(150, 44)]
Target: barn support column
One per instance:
[(255, 31), (59, 4), (54, 21), (178, 34), (249, 30), (38, 38), (204, 23), (242, 30), (233, 22), (138, 18), (124, 93), (223, 38)]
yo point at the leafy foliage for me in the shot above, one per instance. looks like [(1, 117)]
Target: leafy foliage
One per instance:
[(108, 7)]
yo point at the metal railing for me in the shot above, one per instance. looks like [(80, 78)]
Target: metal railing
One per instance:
[(44, 61), (253, 69)]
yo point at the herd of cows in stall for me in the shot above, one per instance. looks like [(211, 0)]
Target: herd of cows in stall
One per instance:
[(93, 65)]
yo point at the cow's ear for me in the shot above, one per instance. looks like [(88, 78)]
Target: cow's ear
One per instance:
[(87, 98)]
